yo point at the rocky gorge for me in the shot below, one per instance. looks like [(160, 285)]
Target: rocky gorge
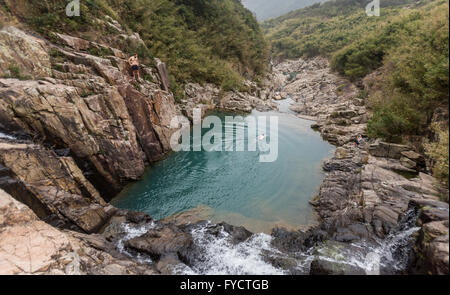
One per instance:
[(79, 129)]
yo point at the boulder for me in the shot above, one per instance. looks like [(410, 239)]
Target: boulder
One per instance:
[(408, 163), (388, 150), (432, 248), (167, 263), (386, 216), (244, 102), (431, 210), (322, 267), (390, 164), (161, 241), (340, 165), (413, 156), (31, 246), (74, 42), (54, 186), (430, 214), (28, 53), (238, 234), (351, 233), (137, 217), (296, 241), (331, 258), (163, 74)]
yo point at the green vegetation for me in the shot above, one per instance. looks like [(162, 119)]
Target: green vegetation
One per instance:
[(416, 80), (16, 73), (324, 29), (100, 51), (367, 54), (439, 153), (215, 41), (212, 41), (409, 47)]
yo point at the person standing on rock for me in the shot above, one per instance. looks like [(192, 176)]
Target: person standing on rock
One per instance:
[(134, 64), (359, 140)]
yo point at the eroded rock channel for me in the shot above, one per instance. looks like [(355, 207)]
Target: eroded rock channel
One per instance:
[(76, 132)]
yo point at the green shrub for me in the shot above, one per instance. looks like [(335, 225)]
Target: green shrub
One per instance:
[(197, 39), (439, 153), (416, 81), (16, 73), (325, 29), (387, 124), (100, 51)]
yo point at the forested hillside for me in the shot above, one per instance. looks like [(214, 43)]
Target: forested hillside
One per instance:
[(408, 48), (321, 29), (217, 41)]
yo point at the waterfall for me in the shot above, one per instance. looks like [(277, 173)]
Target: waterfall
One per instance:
[(215, 254), (6, 136), (390, 255), (394, 251), (221, 257)]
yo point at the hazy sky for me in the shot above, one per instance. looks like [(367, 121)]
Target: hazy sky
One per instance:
[(265, 9)]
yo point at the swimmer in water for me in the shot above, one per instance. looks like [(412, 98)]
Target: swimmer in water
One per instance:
[(261, 137)]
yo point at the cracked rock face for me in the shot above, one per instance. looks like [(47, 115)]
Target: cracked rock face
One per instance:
[(22, 50), (86, 104), (88, 128), (31, 246), (78, 125), (54, 186), (364, 195)]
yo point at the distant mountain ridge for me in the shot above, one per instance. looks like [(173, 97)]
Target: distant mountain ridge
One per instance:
[(266, 9)]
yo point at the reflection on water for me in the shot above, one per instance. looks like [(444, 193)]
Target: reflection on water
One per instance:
[(234, 186)]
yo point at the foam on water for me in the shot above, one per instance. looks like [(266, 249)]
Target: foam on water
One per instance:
[(388, 256), (222, 257), (383, 256), (132, 232), (394, 251), (239, 196), (6, 136), (219, 256)]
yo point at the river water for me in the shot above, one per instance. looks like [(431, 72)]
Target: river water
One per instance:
[(6, 136), (236, 187)]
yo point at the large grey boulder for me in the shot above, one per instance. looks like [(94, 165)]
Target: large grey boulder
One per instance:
[(160, 242), (326, 267), (388, 150), (163, 74)]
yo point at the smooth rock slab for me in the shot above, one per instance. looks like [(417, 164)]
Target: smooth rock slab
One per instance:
[(159, 242), (388, 150), (325, 267)]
